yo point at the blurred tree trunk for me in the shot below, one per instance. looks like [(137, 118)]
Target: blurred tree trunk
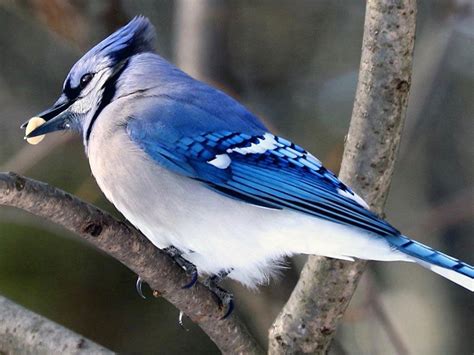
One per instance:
[(308, 321), (78, 22), (454, 156), (201, 41)]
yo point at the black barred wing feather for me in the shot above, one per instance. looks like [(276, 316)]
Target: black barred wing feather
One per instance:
[(273, 172)]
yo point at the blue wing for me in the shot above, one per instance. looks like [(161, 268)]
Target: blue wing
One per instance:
[(240, 159), (238, 165)]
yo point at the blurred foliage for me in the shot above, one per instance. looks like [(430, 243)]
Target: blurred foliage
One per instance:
[(295, 65)]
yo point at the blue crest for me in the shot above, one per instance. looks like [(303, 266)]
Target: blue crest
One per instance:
[(136, 37)]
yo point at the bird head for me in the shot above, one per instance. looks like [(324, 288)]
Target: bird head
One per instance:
[(91, 83)]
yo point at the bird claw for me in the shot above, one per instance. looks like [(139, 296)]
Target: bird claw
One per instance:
[(180, 321), (138, 286), (225, 299), (189, 267), (194, 276), (230, 306)]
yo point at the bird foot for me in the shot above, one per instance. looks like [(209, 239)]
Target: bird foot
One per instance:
[(192, 272), (224, 298), (190, 268)]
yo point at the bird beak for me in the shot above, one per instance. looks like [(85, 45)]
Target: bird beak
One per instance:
[(56, 118)]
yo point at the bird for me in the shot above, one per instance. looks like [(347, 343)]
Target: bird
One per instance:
[(205, 180)]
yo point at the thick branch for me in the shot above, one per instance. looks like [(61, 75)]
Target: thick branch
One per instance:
[(24, 332), (308, 321), (131, 248)]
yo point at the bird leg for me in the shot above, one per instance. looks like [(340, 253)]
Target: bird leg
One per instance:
[(189, 267), (225, 299)]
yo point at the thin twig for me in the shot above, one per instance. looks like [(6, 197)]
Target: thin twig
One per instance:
[(390, 330), (384, 319), (24, 332)]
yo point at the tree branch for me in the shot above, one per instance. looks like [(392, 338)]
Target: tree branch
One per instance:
[(308, 321), (24, 332), (131, 248)]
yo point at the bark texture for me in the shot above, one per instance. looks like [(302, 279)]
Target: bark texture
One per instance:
[(24, 332), (131, 248), (308, 321)]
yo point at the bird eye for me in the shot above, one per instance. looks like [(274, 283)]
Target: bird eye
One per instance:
[(86, 78)]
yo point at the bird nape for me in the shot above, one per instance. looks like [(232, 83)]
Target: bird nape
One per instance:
[(204, 179)]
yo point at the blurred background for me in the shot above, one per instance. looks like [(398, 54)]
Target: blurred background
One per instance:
[(293, 63)]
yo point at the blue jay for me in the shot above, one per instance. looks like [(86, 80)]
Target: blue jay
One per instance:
[(202, 178)]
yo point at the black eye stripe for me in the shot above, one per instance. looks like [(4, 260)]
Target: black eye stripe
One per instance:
[(70, 92), (73, 93), (108, 94)]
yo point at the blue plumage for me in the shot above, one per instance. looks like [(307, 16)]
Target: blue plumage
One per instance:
[(192, 168), (430, 255), (134, 38), (284, 177)]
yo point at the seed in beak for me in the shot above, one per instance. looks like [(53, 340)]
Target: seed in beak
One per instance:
[(34, 123)]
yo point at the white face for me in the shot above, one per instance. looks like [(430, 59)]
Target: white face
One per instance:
[(82, 99), (79, 104), (90, 97)]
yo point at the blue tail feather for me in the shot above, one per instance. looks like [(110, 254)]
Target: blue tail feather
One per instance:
[(430, 257)]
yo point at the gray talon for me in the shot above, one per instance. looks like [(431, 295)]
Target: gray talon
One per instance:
[(138, 286)]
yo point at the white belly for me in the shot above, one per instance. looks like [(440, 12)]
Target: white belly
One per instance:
[(215, 232)]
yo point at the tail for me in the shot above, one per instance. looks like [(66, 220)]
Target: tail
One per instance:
[(442, 264)]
